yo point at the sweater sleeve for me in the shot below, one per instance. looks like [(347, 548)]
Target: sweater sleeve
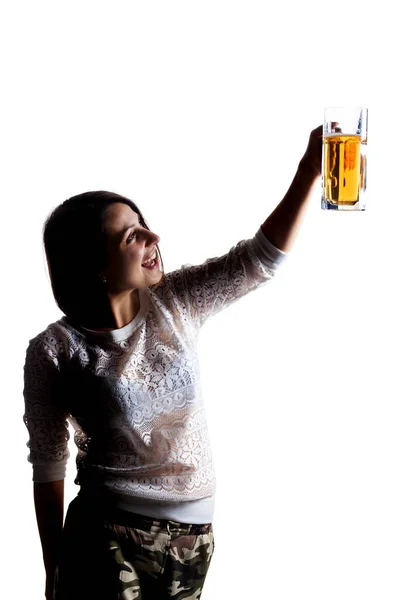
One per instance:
[(46, 422), (205, 289)]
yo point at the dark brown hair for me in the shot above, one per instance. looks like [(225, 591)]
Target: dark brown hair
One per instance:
[(76, 253)]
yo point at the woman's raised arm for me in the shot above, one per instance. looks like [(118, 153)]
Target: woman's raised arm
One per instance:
[(282, 224)]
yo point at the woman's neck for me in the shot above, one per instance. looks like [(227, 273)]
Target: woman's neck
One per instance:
[(119, 311)]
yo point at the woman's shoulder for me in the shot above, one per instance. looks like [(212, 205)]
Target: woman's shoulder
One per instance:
[(57, 339), (170, 294)]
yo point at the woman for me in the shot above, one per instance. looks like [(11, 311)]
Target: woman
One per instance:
[(121, 366)]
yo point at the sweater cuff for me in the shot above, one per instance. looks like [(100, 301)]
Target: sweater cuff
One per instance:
[(49, 472), (267, 253)]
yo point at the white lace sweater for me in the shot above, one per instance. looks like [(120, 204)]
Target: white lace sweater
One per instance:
[(133, 395)]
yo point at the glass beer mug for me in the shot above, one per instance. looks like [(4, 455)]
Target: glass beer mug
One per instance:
[(344, 158)]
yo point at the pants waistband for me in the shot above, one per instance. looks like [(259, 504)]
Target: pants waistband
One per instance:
[(103, 510)]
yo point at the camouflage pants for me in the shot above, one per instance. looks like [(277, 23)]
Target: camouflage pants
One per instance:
[(122, 555)]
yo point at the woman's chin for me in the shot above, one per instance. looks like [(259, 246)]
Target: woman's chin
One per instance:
[(154, 277)]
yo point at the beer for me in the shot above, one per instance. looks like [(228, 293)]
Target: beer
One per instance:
[(344, 168)]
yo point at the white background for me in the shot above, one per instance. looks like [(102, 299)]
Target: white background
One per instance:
[(200, 112)]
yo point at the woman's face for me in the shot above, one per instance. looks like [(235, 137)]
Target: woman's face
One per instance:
[(133, 259)]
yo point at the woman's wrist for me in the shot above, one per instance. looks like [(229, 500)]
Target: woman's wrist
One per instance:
[(308, 168)]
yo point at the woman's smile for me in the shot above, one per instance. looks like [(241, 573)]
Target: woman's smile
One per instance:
[(152, 262)]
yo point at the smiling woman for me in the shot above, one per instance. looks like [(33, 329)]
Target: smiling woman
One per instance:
[(122, 367), (95, 244)]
